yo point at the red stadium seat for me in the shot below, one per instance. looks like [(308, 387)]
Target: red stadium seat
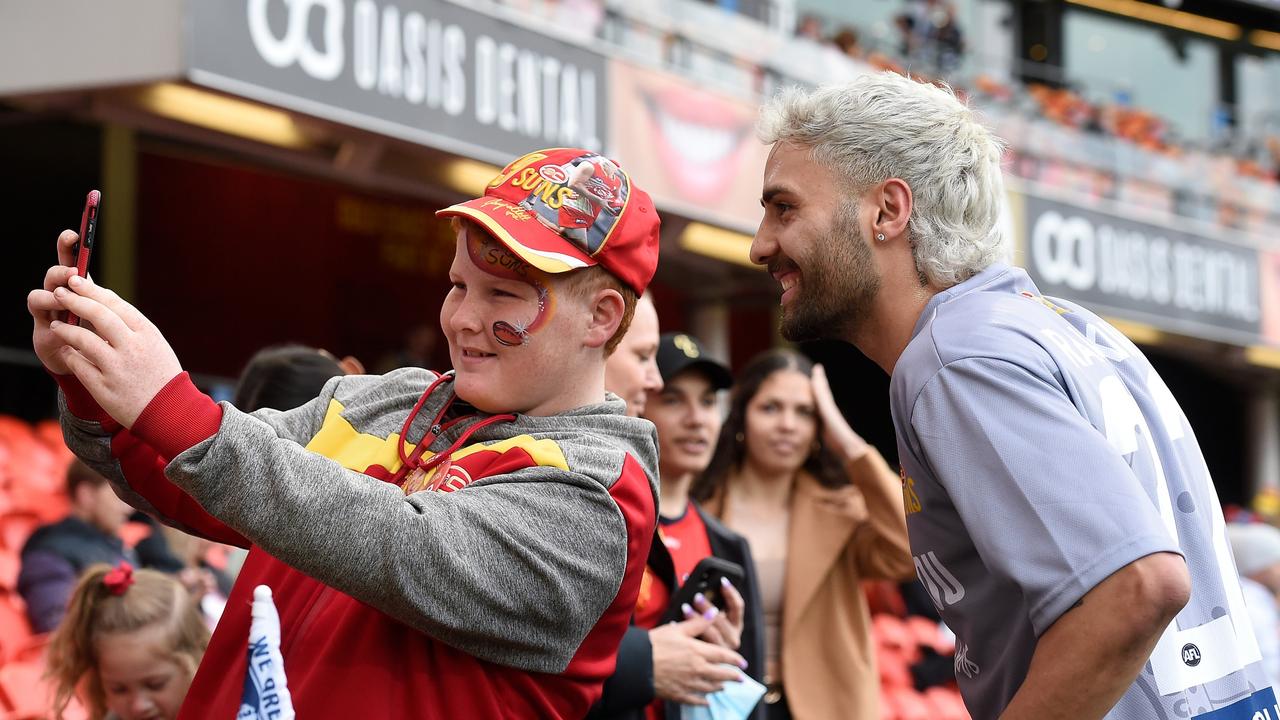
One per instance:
[(883, 596), (946, 703), (15, 629), (892, 634), (894, 670), (12, 427), (132, 533), (10, 564), (909, 705), (15, 527), (27, 693), (928, 634)]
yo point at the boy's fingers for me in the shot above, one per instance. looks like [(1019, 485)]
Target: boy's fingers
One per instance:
[(85, 371), (41, 302), (107, 323), (57, 276), (85, 342), (67, 241), (86, 287)]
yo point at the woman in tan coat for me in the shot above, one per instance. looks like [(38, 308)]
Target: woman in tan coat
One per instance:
[(822, 511)]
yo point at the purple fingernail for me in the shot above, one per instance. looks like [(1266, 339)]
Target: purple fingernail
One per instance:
[(711, 614), (699, 599), (724, 582), (742, 663), (688, 611)]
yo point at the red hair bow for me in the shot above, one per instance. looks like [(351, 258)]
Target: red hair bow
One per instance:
[(119, 579)]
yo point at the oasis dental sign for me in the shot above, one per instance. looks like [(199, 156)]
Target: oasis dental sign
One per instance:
[(423, 70), (1183, 282)]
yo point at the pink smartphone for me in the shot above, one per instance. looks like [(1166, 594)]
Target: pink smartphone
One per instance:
[(83, 249)]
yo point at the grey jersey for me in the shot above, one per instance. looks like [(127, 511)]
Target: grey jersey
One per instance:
[(1041, 453)]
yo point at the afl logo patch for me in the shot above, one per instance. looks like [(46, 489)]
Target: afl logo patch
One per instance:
[(1191, 655), (553, 173)]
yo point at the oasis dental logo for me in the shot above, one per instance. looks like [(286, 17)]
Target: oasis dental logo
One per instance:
[(294, 46), (426, 53), (1095, 257)]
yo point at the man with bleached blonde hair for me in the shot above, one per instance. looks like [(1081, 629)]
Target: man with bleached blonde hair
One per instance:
[(1061, 515)]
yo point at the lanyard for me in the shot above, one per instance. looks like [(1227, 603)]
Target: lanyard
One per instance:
[(412, 465)]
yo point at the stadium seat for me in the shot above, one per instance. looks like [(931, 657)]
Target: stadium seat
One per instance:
[(15, 629), (133, 532), (892, 634), (909, 705), (15, 527), (883, 596), (10, 564), (895, 671), (27, 694), (12, 427), (927, 634), (946, 703)]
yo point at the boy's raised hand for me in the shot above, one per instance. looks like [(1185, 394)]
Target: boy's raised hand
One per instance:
[(45, 308), (123, 361)]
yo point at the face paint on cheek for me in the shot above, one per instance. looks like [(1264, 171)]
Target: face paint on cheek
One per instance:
[(498, 261), (518, 334)]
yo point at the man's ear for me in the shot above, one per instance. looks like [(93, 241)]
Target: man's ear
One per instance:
[(607, 309), (893, 203)]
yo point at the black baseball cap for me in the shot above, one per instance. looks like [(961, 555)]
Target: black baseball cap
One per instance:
[(678, 352)]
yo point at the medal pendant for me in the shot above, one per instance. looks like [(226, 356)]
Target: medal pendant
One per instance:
[(415, 482)]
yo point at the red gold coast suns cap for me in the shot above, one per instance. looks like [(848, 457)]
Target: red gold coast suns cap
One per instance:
[(563, 209)]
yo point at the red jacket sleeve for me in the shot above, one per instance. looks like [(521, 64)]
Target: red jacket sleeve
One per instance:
[(177, 418)]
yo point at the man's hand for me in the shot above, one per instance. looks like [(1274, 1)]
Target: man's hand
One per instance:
[(836, 433), (685, 668), (726, 629), (45, 309), (124, 361)]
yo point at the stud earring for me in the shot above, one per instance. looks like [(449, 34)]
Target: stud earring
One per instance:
[(880, 237)]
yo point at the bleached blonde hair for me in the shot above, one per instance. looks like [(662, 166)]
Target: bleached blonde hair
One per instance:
[(883, 126)]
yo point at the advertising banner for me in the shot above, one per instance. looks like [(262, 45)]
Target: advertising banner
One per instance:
[(1270, 283), (694, 150), (1176, 280), (425, 71)]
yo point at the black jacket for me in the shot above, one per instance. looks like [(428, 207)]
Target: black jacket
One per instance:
[(52, 561), (630, 689)]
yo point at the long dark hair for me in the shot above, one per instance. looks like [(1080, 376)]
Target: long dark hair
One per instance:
[(730, 451), (283, 377)]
